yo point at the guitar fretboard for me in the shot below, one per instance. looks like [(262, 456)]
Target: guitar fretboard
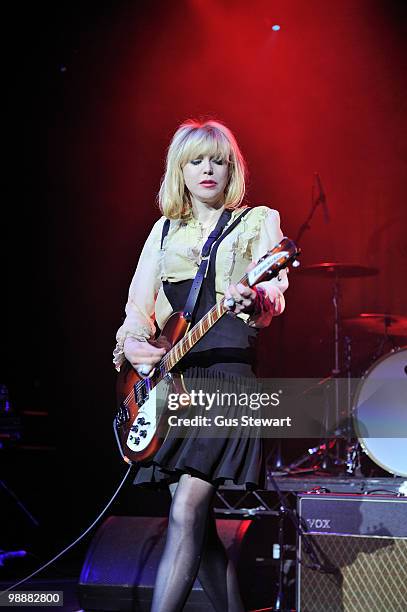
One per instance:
[(186, 343), (193, 335)]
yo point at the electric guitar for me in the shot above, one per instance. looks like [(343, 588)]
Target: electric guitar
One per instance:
[(140, 424)]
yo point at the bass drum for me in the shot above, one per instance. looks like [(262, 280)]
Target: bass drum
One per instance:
[(380, 412)]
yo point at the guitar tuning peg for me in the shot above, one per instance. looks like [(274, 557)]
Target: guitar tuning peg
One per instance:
[(296, 263)]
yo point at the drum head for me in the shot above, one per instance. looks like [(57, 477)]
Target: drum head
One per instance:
[(380, 412)]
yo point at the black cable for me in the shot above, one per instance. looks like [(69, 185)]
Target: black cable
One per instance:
[(396, 493), (75, 541)]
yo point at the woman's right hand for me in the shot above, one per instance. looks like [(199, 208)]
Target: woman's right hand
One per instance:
[(145, 354)]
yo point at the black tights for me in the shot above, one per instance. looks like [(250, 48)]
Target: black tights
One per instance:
[(193, 547)]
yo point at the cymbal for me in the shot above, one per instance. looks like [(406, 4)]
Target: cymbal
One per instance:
[(335, 269), (379, 323)]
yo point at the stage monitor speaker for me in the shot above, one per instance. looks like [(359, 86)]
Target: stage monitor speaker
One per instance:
[(361, 543), (118, 573)]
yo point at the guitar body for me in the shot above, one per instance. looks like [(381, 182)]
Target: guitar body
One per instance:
[(140, 423)]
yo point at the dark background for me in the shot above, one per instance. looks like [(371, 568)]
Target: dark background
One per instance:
[(96, 90)]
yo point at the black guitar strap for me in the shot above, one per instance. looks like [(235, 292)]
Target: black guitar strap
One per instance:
[(166, 227), (205, 255)]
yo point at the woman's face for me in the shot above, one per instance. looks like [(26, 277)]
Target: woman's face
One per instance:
[(206, 178)]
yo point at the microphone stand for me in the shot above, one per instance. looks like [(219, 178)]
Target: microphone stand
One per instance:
[(321, 199), (284, 509), (323, 566), (306, 225), (315, 203)]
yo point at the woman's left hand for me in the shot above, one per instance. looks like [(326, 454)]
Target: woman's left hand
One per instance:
[(239, 298)]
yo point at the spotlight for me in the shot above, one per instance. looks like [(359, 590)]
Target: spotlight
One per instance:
[(275, 28)]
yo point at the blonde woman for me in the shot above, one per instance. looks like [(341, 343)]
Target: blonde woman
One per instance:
[(203, 184)]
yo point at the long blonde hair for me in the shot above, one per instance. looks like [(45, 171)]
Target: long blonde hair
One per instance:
[(192, 139)]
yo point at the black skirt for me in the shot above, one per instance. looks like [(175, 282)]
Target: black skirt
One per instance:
[(213, 454)]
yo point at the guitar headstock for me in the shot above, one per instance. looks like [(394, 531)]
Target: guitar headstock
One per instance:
[(269, 266)]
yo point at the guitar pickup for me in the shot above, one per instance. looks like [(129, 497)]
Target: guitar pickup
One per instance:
[(140, 393), (122, 415)]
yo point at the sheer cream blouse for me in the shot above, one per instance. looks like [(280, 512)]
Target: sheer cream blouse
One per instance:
[(179, 258)]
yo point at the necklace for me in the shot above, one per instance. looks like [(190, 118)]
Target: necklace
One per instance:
[(207, 228)]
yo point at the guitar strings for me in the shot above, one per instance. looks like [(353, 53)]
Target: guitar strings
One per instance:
[(164, 361), (221, 305)]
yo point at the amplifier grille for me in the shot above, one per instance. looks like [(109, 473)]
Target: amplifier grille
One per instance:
[(372, 575)]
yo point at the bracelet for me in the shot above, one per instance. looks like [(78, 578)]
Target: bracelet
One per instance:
[(259, 303)]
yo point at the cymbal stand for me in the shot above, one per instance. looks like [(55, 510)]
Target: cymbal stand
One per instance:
[(336, 369), (327, 454), (352, 449), (328, 445), (338, 460), (386, 338)]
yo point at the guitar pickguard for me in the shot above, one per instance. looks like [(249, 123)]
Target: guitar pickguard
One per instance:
[(147, 420)]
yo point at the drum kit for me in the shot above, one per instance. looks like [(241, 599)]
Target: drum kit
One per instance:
[(377, 403)]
